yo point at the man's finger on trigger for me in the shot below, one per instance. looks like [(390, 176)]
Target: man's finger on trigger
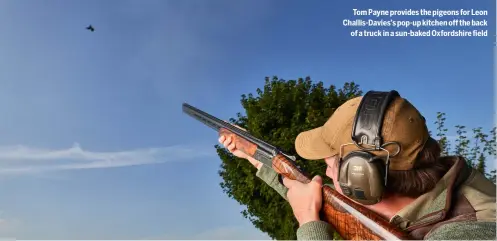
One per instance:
[(288, 182), (318, 179)]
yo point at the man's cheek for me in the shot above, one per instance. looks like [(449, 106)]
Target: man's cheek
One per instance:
[(335, 181), (329, 173)]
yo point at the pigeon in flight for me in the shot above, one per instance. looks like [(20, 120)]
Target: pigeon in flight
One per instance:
[(90, 28)]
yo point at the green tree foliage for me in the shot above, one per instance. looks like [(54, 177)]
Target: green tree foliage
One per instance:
[(277, 114), (477, 150), (442, 133)]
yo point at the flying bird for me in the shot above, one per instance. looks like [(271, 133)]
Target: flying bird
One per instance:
[(90, 28)]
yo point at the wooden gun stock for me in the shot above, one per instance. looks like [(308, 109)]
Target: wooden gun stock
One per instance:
[(349, 219)]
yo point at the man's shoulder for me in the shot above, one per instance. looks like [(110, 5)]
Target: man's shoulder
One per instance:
[(469, 230), (472, 215), (460, 206), (480, 196)]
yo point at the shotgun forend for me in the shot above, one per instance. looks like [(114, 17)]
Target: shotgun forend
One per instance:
[(265, 152)]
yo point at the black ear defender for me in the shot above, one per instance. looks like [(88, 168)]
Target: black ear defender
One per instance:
[(362, 175)]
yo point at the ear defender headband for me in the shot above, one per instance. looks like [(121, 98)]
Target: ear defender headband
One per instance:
[(362, 176)]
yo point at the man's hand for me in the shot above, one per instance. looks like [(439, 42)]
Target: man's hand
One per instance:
[(228, 143), (305, 199)]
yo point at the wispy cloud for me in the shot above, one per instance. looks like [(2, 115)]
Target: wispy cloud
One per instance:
[(23, 159)]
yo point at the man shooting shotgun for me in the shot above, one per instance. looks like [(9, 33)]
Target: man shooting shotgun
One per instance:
[(390, 181)]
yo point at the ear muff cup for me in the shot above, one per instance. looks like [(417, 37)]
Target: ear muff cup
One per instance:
[(361, 177)]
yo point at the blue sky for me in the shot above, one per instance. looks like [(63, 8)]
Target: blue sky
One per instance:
[(93, 143)]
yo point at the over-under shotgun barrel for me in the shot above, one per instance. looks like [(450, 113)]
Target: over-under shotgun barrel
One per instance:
[(351, 220)]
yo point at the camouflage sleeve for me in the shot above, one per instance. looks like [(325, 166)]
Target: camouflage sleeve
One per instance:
[(317, 230), (269, 176), (469, 230)]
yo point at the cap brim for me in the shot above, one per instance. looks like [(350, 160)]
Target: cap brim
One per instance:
[(311, 145)]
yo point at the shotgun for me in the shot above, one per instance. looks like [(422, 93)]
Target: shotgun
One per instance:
[(349, 219)]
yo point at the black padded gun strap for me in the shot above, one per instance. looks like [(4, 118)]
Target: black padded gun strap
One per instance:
[(369, 117)]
